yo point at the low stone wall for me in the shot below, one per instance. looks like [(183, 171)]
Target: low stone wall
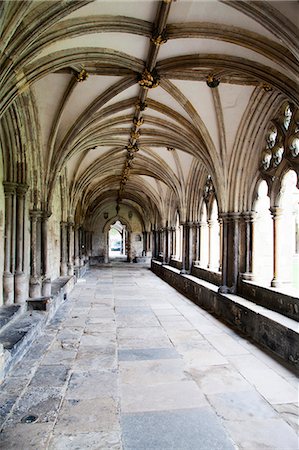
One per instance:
[(270, 298), (263, 326), (207, 275)]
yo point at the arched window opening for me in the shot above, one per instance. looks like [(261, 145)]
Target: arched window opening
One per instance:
[(263, 238), (214, 238), (117, 239), (178, 238), (289, 236), (204, 237)]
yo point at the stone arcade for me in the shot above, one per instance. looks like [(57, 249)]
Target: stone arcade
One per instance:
[(139, 134)]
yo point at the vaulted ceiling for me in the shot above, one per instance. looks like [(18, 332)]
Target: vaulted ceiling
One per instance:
[(122, 91)]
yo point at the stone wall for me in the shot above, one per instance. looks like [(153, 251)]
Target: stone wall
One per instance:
[(280, 337)]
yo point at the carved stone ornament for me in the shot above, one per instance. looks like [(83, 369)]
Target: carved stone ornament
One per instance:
[(138, 122), (132, 148), (159, 38), (82, 75), (208, 188), (134, 134), (266, 159), (149, 80), (212, 81), (293, 145), (267, 87), (141, 105)]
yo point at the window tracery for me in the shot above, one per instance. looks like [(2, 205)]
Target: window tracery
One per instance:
[(281, 140)]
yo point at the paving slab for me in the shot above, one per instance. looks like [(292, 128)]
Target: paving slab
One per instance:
[(180, 430), (129, 363)]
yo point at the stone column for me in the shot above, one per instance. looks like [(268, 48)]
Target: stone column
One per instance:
[(8, 276), (81, 246), (210, 243), (189, 246), (46, 285), (230, 253), (70, 246), (21, 283), (277, 246), (184, 245), (164, 236), (63, 249), (106, 247), (35, 281), (129, 257), (169, 245), (220, 243), (249, 228), (144, 235), (197, 256), (76, 245)]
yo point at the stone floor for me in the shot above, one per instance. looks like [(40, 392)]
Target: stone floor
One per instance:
[(129, 363)]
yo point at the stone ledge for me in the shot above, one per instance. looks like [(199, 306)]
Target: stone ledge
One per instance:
[(24, 327), (270, 329)]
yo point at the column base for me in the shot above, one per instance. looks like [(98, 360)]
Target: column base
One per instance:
[(63, 269), (46, 287), (276, 283), (34, 287), (70, 270), (21, 287), (183, 272), (8, 288), (227, 290), (248, 276)]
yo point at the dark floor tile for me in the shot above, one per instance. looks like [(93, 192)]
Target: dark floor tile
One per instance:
[(188, 429)]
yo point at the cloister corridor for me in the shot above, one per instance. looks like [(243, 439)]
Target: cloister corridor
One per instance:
[(129, 363)]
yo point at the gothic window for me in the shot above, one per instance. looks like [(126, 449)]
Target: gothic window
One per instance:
[(263, 238), (281, 140)]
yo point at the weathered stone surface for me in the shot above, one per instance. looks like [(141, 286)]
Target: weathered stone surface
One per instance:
[(173, 388), (181, 429), (91, 441)]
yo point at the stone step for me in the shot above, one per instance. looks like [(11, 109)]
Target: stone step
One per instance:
[(17, 336), (9, 313), (20, 327)]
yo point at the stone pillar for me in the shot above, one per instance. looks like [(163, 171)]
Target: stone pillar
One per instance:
[(189, 246), (144, 235), (164, 236), (8, 276), (197, 255), (35, 281), (76, 245), (63, 249), (70, 246), (230, 252), (81, 246), (220, 243), (210, 243), (106, 247), (169, 245), (21, 282), (184, 245), (129, 257), (46, 278), (277, 246), (249, 228)]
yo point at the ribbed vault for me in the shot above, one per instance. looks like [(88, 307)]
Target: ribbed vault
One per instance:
[(137, 102)]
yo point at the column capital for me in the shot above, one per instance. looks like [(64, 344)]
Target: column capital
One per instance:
[(230, 216), (9, 187), (249, 216), (276, 212), (45, 215), (21, 189), (35, 214)]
